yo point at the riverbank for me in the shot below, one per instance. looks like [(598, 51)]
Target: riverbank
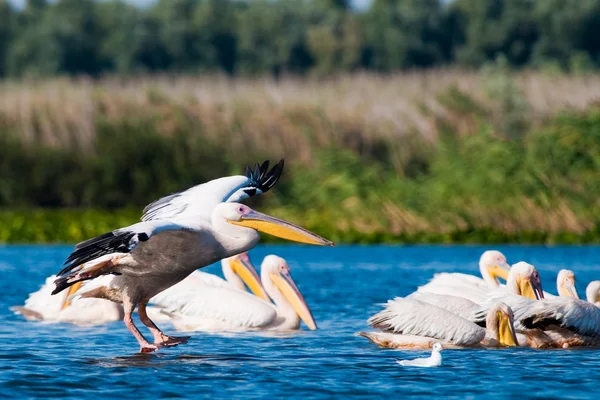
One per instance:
[(435, 157)]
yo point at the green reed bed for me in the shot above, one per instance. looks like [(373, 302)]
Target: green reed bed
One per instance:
[(435, 157)]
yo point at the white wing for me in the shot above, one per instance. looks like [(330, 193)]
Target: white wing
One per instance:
[(207, 308), (422, 362), (201, 199), (456, 305), (413, 317), (456, 278), (460, 285), (573, 314)]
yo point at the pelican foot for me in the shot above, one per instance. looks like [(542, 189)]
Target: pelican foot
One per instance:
[(170, 341), (149, 348)]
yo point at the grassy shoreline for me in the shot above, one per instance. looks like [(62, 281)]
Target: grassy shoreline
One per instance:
[(433, 157), (60, 226)]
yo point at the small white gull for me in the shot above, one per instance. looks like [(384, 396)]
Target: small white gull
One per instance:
[(435, 360)]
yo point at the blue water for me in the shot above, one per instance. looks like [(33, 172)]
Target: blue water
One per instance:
[(342, 285)]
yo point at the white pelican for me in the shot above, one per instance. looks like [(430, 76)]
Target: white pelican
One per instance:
[(565, 285), (42, 306), (550, 322), (174, 239), (408, 323), (492, 265), (434, 360), (219, 309), (523, 279), (555, 322), (592, 293)]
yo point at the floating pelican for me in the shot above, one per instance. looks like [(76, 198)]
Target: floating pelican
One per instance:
[(408, 323), (492, 265), (592, 293), (42, 306), (435, 360), (523, 279), (210, 309), (565, 285), (178, 234), (550, 322)]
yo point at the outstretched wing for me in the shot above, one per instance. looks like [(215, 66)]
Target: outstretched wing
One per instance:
[(413, 317), (201, 199), (124, 240)]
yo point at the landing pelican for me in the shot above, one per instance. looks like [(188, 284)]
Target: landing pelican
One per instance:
[(592, 293), (42, 306), (408, 323), (227, 309), (177, 235)]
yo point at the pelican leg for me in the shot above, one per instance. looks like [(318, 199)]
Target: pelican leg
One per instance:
[(160, 338), (145, 346)]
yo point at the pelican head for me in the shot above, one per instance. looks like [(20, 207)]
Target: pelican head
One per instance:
[(493, 265), (592, 292), (277, 271), (239, 270), (565, 284), (500, 320), (524, 280), (243, 216)]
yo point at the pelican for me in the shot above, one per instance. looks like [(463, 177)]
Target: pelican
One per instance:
[(177, 235), (523, 279), (592, 293), (492, 265), (42, 306), (554, 322), (565, 285), (218, 309), (409, 323), (548, 322)]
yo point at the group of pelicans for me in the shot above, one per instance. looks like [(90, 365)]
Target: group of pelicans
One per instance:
[(152, 265), (200, 302), (460, 310)]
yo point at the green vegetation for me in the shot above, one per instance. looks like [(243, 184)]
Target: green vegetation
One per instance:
[(440, 156), (321, 37)]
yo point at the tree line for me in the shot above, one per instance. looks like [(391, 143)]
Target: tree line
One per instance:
[(257, 37)]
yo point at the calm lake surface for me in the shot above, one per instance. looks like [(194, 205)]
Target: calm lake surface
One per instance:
[(343, 286)]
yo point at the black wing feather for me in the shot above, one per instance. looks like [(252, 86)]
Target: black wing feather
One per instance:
[(262, 178), (108, 243)]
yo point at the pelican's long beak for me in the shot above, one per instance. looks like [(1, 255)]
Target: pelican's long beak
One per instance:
[(247, 273), (292, 294), (506, 330), (280, 228), (499, 271), (530, 287), (72, 290)]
